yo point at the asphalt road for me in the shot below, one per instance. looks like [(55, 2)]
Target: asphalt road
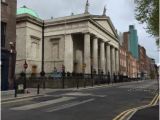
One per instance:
[(101, 103)]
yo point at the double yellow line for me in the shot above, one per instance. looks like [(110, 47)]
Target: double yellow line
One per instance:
[(129, 112), (154, 100)]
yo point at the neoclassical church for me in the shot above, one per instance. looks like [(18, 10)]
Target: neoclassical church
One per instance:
[(82, 43)]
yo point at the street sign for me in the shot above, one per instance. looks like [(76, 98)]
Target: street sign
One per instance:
[(25, 65)]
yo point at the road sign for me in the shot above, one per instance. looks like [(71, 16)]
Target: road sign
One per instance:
[(25, 65)]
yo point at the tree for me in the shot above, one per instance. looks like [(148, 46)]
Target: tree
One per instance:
[(147, 11)]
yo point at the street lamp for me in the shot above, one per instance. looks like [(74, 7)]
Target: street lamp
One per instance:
[(42, 64), (13, 61), (25, 65)]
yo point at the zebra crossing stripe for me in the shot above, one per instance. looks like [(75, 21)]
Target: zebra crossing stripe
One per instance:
[(68, 105), (42, 104)]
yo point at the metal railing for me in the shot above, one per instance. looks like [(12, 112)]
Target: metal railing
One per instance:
[(66, 80)]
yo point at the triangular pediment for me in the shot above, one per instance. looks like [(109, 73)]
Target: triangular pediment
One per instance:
[(106, 23)]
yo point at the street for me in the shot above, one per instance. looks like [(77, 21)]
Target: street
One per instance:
[(98, 103)]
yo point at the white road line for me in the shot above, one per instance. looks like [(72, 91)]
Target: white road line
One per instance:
[(42, 104), (68, 105), (82, 94), (20, 99)]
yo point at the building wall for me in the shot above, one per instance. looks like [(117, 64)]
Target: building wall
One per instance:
[(123, 61), (126, 40), (8, 16), (68, 42), (53, 53), (29, 43)]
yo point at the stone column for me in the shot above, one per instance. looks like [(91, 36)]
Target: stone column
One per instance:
[(108, 58), (95, 54), (68, 56), (87, 53), (102, 56), (113, 60), (117, 61)]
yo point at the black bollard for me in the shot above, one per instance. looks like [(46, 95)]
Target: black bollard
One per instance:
[(15, 93), (38, 89), (77, 83)]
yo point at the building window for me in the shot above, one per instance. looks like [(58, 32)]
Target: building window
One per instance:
[(55, 50), (35, 47), (3, 34)]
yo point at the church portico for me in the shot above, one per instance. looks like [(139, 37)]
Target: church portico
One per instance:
[(83, 43)]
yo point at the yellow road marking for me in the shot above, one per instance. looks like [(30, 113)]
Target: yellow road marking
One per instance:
[(122, 115), (127, 114), (153, 100), (156, 100)]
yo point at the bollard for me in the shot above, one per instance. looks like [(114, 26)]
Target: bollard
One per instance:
[(15, 92), (92, 81), (63, 82), (44, 85), (38, 89), (77, 83), (84, 81)]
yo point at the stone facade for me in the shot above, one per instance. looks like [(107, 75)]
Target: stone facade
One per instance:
[(8, 39), (28, 45), (82, 43)]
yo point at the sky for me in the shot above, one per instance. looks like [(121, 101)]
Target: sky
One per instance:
[(121, 13)]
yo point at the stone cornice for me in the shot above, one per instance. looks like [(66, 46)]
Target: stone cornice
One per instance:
[(28, 18), (79, 18)]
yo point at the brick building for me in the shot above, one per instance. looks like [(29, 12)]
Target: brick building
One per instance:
[(128, 64), (8, 38), (142, 61), (132, 66), (123, 61)]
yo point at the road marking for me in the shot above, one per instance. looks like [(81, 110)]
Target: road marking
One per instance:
[(77, 94), (68, 105), (125, 113), (130, 111), (156, 100), (42, 104), (20, 99), (121, 114), (82, 94), (153, 100)]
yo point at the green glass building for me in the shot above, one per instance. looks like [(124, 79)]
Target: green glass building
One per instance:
[(133, 41)]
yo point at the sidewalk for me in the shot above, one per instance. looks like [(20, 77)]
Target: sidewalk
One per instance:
[(29, 92), (9, 95), (150, 113)]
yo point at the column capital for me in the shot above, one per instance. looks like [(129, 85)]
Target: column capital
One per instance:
[(85, 32), (95, 37)]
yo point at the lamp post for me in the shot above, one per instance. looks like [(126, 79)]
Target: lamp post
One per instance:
[(42, 64), (13, 60), (25, 65)]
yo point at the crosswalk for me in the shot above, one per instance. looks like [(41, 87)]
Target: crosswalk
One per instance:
[(72, 104), (41, 104), (62, 102)]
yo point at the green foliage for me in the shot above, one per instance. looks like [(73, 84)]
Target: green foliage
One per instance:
[(147, 11)]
